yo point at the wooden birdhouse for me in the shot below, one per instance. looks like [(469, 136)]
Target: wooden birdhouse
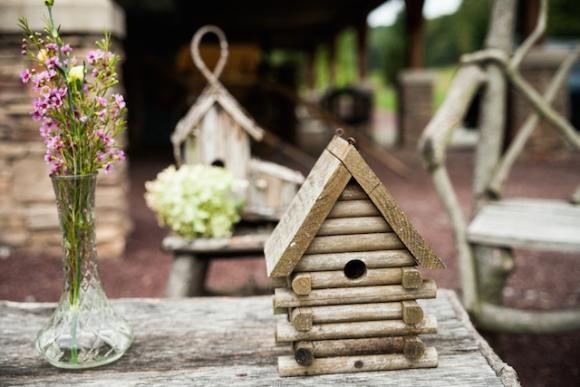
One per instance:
[(217, 131), (343, 259)]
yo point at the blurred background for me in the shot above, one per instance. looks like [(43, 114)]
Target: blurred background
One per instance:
[(381, 68)]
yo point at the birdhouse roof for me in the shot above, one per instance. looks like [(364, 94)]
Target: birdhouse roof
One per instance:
[(215, 93), (339, 163)]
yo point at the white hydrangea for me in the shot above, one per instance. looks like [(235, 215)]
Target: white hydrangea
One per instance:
[(194, 201)]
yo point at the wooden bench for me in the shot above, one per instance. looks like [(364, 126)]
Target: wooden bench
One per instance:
[(230, 342), (191, 257), (538, 224)]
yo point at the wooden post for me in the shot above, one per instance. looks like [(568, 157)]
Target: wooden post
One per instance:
[(414, 18), (362, 49), (186, 277)]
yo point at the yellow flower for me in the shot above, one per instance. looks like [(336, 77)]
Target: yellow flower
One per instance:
[(77, 73), (42, 55)]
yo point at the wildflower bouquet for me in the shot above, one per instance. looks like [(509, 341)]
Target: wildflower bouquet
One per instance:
[(79, 121), (194, 201)]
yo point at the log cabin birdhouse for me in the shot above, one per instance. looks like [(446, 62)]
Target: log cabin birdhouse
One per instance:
[(217, 131), (343, 260)]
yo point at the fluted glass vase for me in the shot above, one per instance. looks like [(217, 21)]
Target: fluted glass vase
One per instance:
[(84, 331)]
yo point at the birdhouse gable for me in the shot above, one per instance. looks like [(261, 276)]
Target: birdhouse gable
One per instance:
[(342, 208), (214, 95)]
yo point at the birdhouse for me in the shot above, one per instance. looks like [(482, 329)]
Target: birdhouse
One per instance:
[(217, 131), (343, 258)]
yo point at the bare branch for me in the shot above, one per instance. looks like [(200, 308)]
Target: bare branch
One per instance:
[(490, 54), (497, 182), (437, 135), (543, 108), (525, 47)]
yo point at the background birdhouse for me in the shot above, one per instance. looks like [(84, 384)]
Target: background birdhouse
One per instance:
[(217, 131)]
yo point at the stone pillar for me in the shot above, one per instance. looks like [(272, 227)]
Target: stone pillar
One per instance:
[(538, 68), (415, 89), (28, 217)]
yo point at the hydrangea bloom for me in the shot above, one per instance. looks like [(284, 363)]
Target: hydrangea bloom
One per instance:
[(195, 201)]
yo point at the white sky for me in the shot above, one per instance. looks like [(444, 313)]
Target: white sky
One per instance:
[(385, 14)]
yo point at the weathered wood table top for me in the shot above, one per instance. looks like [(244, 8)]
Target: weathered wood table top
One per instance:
[(230, 342)]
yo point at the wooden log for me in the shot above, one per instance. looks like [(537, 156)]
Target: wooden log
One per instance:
[(413, 347), (348, 313), (279, 310), (359, 225), (353, 209), (371, 277), (372, 260), (285, 332), (411, 278), (410, 346), (287, 365), (302, 284), (302, 318), (412, 312), (286, 298), (354, 242), (303, 352), (279, 282), (353, 191)]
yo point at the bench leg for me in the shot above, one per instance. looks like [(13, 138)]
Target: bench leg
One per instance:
[(187, 276)]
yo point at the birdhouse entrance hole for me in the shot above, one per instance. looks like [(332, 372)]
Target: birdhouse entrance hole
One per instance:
[(218, 163), (355, 269)]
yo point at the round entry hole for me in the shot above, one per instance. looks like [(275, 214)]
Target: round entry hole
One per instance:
[(355, 269)]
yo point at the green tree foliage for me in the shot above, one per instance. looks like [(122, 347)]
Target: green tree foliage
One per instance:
[(564, 19), (387, 49), (450, 36)]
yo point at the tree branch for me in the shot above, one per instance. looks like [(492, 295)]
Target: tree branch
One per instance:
[(539, 30), (517, 145)]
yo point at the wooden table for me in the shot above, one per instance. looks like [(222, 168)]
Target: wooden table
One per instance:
[(230, 342)]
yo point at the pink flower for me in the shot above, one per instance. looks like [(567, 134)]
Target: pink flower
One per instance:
[(52, 61), (94, 56), (119, 100), (119, 155), (25, 76), (51, 46), (108, 168), (66, 49), (101, 101)]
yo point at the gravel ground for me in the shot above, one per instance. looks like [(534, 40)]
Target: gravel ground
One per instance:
[(543, 281)]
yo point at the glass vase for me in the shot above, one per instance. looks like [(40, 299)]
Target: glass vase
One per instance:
[(84, 331)]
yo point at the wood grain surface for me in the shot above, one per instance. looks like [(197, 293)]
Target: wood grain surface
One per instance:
[(230, 342)]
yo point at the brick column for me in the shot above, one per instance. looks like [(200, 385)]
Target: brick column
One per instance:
[(415, 89), (538, 68), (28, 217)]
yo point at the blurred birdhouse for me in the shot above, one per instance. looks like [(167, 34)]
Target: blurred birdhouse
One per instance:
[(218, 131), (343, 259)]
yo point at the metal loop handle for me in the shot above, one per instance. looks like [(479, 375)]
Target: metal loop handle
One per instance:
[(212, 77)]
